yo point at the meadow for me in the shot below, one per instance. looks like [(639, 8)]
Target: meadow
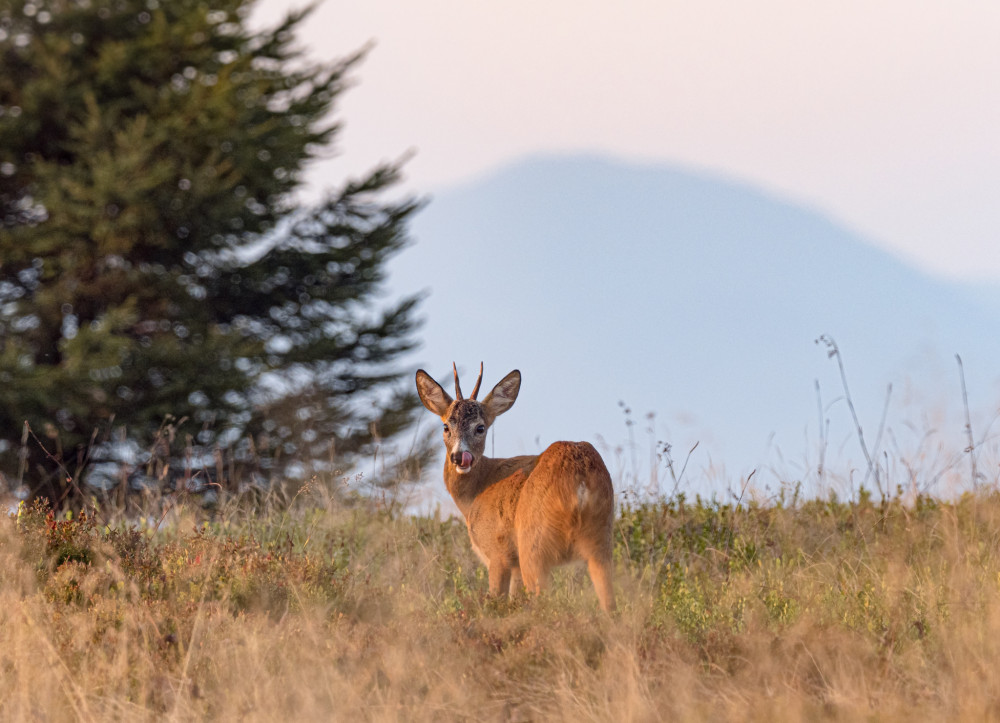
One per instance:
[(313, 606)]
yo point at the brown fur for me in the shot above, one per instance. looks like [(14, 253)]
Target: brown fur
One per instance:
[(525, 514)]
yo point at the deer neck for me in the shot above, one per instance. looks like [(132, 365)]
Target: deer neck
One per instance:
[(464, 488)]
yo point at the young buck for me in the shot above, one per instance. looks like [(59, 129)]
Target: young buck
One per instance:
[(525, 514)]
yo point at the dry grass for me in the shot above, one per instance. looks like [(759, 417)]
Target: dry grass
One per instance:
[(815, 611)]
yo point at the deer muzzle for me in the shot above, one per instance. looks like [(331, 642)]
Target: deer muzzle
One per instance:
[(462, 460)]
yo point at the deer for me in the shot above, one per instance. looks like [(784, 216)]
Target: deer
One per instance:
[(526, 514)]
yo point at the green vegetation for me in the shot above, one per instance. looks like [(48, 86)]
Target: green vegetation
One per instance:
[(159, 278), (305, 608)]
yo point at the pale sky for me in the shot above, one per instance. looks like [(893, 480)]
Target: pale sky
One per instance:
[(884, 115)]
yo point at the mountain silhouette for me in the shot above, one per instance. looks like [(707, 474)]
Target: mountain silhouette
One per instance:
[(699, 299)]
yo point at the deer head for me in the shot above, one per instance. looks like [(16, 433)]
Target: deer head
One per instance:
[(466, 420)]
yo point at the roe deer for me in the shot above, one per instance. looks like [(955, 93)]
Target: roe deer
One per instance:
[(525, 514)]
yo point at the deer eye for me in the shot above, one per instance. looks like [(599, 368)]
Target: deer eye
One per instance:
[(446, 429), (480, 429)]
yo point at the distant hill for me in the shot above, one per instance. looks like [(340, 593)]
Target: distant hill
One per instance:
[(694, 297), (985, 294)]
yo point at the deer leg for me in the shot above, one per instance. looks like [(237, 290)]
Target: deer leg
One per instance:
[(516, 584), (534, 553), (499, 578), (535, 573), (599, 567)]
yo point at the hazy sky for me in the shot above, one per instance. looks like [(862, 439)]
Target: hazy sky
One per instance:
[(885, 115)]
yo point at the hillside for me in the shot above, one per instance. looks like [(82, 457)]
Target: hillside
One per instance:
[(306, 610)]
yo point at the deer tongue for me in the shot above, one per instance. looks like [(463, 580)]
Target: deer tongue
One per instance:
[(466, 460)]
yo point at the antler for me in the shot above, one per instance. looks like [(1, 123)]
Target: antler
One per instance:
[(475, 390), (458, 389)]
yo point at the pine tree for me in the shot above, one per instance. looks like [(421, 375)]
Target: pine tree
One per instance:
[(156, 274)]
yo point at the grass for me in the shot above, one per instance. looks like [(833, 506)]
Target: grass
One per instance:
[(309, 610)]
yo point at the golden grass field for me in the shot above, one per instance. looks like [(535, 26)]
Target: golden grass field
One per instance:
[(311, 609)]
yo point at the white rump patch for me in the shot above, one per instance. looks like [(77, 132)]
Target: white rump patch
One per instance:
[(582, 494)]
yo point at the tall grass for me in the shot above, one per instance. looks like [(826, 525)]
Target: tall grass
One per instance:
[(307, 609)]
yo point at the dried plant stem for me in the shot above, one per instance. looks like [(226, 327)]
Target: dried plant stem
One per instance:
[(70, 478), (834, 351), (971, 449), (824, 434), (878, 438)]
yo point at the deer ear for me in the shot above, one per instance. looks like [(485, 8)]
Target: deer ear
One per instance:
[(502, 397), (432, 394)]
